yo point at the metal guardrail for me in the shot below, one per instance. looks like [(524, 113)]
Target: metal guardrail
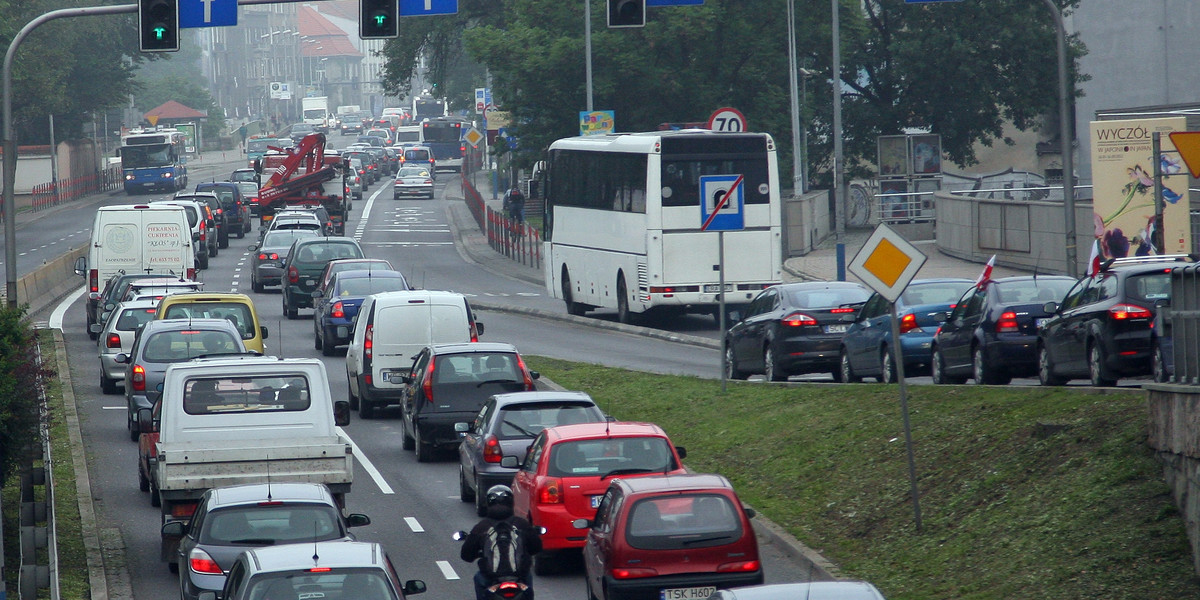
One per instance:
[(39, 555), (514, 239), (1181, 324)]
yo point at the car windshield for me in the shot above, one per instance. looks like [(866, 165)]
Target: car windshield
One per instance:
[(249, 188), (336, 583), (178, 346), (323, 252), (1032, 291), (1155, 285), (934, 293), (676, 522), (264, 524), (609, 456), (234, 312), (826, 298), (523, 421), (365, 286), (263, 393)]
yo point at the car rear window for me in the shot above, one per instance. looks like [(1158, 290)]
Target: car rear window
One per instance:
[(132, 318), (365, 286), (525, 421), (477, 368), (235, 312), (416, 155), (682, 521), (178, 346), (827, 298), (1155, 285), (266, 525), (326, 251), (246, 394), (934, 293), (580, 458), (1032, 291), (335, 583)]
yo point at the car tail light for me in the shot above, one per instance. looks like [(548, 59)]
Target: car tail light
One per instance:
[(491, 450), (184, 509), (427, 384), (550, 492), (509, 589), (113, 341), (368, 341), (293, 274), (1123, 312), (203, 230), (525, 373), (743, 566), (191, 273), (842, 311), (94, 280), (429, 181), (320, 570), (798, 320), (200, 562), (632, 573), (268, 256), (1007, 323), (337, 312), (909, 323), (139, 378)]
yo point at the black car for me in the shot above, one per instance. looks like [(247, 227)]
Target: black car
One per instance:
[(991, 333), (1102, 329), (305, 262), (299, 130), (792, 329), (448, 385), (99, 304), (234, 205)]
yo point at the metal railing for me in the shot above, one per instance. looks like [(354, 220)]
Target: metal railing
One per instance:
[(39, 555), (514, 239), (1180, 329), (51, 194)]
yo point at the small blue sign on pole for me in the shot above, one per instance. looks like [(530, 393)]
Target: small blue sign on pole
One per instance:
[(425, 8), (722, 203), (207, 13)]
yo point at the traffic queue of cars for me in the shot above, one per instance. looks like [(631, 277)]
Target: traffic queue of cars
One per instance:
[(1100, 328)]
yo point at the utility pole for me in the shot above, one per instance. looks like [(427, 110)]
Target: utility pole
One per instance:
[(839, 186)]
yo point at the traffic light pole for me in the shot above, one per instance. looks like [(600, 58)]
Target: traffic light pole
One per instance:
[(9, 144)]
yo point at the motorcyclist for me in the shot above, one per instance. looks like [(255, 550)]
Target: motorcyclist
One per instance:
[(500, 508)]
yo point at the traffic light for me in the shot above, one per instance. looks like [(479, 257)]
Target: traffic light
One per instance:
[(158, 25), (378, 19), (626, 13)]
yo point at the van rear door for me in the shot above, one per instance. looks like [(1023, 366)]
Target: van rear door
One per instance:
[(399, 334)]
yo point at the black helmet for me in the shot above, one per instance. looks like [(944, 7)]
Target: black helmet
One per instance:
[(500, 495)]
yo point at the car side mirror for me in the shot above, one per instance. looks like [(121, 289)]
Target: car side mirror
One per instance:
[(535, 375), (145, 419), (81, 266), (357, 520), (414, 586), (750, 512), (581, 524), (317, 294), (682, 452), (173, 529), (341, 413), (1050, 307), (263, 330), (95, 328), (509, 462), (478, 328), (110, 306)]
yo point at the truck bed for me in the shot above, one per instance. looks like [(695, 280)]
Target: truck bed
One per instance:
[(186, 469)]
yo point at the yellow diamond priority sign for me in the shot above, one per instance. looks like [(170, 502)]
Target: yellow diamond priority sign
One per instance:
[(473, 137), (887, 262)]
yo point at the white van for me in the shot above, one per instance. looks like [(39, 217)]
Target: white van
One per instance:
[(137, 238), (390, 330)]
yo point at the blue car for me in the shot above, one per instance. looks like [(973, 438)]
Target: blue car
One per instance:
[(991, 334), (336, 308), (868, 349)]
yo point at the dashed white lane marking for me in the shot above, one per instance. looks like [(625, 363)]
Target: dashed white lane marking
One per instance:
[(414, 524), (447, 570), (113, 407)]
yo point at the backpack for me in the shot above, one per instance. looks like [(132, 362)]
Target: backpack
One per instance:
[(504, 551)]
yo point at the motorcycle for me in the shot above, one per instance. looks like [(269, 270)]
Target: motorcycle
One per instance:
[(506, 587)]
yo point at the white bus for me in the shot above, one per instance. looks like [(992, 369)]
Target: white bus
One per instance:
[(622, 221)]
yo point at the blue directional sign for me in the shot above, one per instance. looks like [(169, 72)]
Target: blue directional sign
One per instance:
[(207, 13), (425, 8), (722, 202), (674, 2)]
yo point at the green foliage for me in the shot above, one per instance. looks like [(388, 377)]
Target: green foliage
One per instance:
[(1009, 511), (20, 378)]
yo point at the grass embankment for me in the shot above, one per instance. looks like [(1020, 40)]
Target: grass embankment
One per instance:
[(1011, 508)]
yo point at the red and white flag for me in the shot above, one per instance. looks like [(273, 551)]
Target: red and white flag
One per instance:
[(1094, 261), (986, 275)]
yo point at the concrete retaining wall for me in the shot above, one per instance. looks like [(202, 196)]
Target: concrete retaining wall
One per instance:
[(1174, 433), (54, 279), (806, 222)]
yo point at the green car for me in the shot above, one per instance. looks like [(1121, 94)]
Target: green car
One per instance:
[(305, 262)]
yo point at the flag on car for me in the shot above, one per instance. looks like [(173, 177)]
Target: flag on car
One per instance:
[(986, 275), (1094, 261)]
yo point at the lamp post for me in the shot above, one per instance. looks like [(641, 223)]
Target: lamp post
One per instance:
[(1066, 135)]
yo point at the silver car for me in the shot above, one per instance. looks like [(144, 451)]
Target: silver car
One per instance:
[(160, 343), (116, 337), (354, 180), (266, 262), (413, 181)]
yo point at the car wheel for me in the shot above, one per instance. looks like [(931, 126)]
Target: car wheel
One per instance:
[(223, 240), (241, 233), (846, 371), (202, 261), (887, 366), (258, 287), (423, 449), (108, 386), (317, 338), (480, 499), (465, 493), (212, 250), (353, 398), (983, 374), (134, 430), (366, 410), (155, 499), (622, 301), (1046, 374), (326, 349), (770, 369), (143, 481), (173, 567), (1096, 369), (938, 369), (407, 442), (573, 308), (289, 311), (731, 367), (92, 335), (1158, 365)]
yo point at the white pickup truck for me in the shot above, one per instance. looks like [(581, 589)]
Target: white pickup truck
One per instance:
[(246, 419)]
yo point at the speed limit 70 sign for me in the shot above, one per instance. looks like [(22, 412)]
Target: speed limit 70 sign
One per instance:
[(727, 120)]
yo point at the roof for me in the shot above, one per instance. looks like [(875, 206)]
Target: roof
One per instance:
[(535, 397), (176, 324), (171, 110), (253, 493), (368, 274), (472, 347), (288, 557), (321, 38), (209, 297), (603, 430), (818, 590), (676, 483)]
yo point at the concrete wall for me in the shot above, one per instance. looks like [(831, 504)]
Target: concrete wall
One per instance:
[(1174, 433), (42, 287), (806, 222), (1023, 234)]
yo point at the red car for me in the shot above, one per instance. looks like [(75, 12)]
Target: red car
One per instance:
[(568, 468), (147, 451), (673, 536)]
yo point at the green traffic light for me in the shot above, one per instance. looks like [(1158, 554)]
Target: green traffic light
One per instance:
[(159, 32), (379, 20)]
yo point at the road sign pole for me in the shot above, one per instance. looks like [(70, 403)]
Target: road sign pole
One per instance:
[(721, 306), (898, 356)]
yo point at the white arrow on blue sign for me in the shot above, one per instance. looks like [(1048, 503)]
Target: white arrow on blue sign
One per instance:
[(425, 8), (207, 13)]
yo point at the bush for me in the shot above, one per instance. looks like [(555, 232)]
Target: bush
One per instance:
[(20, 379)]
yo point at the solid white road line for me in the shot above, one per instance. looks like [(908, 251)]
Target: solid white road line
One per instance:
[(366, 463), (447, 570), (414, 524), (56, 317)]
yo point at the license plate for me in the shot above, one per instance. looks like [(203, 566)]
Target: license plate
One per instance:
[(716, 287), (688, 593), (838, 328), (595, 502), (391, 376), (311, 283), (1040, 322)]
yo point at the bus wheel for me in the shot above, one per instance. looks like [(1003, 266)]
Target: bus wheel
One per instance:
[(573, 308), (622, 301)]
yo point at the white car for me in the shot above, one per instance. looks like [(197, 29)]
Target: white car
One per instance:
[(116, 337), (413, 181), (160, 286)]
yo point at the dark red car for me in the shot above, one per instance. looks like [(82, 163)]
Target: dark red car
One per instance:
[(673, 536), (567, 471)]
